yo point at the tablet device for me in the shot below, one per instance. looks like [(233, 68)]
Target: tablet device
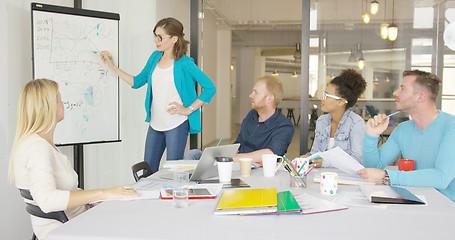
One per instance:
[(193, 193)]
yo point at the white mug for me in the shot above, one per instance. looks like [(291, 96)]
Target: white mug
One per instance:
[(302, 162), (269, 164)]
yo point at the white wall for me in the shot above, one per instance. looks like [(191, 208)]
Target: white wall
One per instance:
[(223, 74), (209, 53), (105, 164)]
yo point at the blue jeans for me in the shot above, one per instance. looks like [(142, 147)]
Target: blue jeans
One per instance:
[(157, 141), (193, 154)]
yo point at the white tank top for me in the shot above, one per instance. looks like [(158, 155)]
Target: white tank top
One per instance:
[(164, 92), (331, 143)]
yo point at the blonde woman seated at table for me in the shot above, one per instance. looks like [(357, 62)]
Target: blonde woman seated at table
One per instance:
[(341, 127), (38, 166)]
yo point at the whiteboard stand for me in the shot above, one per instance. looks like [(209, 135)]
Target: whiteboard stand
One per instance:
[(78, 153)]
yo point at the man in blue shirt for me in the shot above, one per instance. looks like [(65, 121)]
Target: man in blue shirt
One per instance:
[(264, 130), (428, 139)]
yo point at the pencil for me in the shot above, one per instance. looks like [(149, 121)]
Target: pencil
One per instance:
[(309, 170)]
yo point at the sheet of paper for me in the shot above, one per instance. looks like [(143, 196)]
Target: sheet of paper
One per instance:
[(311, 204), (355, 199), (345, 179), (378, 191), (341, 160), (213, 188)]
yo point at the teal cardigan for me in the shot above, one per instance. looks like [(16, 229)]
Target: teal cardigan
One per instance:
[(186, 74)]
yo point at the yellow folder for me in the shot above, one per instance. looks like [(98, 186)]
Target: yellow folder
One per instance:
[(248, 198)]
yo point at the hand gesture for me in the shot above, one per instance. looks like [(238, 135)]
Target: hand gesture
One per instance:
[(107, 58), (374, 175), (120, 192), (377, 125), (175, 108)]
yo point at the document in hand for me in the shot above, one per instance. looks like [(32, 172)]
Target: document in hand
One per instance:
[(389, 194), (247, 201), (341, 160)]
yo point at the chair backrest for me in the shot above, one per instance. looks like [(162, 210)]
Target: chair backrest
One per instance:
[(141, 166), (37, 212)]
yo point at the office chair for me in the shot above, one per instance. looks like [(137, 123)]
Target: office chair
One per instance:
[(37, 212), (147, 171)]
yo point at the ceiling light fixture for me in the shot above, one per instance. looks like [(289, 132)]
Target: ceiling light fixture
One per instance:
[(297, 53), (365, 16), (393, 29), (374, 7), (384, 30), (361, 63), (294, 75)]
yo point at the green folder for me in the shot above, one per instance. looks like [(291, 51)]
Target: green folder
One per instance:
[(286, 203)]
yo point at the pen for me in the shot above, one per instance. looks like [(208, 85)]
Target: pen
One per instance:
[(301, 167), (310, 170), (392, 114), (219, 142), (101, 54), (129, 189)]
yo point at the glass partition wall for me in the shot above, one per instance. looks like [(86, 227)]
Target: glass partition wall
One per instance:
[(266, 39)]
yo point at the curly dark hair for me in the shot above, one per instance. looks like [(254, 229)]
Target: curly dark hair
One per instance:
[(349, 85)]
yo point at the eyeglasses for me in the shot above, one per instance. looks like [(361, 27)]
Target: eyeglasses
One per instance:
[(325, 95), (160, 38)]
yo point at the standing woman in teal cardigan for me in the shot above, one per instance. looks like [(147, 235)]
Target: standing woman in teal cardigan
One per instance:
[(172, 104)]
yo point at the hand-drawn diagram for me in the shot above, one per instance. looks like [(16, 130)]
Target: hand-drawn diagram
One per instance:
[(63, 47)]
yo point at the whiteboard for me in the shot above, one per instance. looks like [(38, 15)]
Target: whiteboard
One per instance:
[(63, 43)]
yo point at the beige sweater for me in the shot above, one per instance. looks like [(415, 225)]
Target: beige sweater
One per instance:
[(49, 176)]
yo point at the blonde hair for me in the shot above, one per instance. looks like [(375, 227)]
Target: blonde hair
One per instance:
[(274, 86), (36, 112)]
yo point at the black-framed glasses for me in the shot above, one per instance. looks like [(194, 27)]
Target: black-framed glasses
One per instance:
[(160, 38), (325, 95)]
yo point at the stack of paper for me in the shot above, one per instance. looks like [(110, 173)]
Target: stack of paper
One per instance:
[(181, 164), (286, 204), (247, 201)]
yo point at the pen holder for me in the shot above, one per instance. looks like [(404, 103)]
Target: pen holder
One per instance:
[(298, 181)]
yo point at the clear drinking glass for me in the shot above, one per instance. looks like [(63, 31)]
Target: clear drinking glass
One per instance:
[(180, 189)]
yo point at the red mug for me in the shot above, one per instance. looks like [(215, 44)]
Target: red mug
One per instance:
[(406, 165)]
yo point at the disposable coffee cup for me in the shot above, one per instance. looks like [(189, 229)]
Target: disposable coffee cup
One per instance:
[(245, 166), (406, 165), (224, 168)]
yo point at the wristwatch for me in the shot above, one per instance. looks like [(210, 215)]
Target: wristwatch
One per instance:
[(191, 108), (386, 179)]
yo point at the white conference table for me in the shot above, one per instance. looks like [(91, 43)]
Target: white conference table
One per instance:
[(157, 219)]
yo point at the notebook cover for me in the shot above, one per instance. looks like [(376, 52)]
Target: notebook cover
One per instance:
[(286, 204), (248, 198), (406, 197)]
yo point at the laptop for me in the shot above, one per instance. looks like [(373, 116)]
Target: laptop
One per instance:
[(206, 167)]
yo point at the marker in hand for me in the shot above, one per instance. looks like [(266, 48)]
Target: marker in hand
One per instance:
[(101, 54)]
